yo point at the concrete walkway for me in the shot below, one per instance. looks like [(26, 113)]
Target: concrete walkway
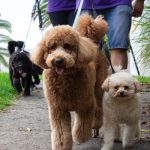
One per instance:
[(25, 126)]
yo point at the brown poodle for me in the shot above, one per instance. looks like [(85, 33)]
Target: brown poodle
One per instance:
[(74, 70)]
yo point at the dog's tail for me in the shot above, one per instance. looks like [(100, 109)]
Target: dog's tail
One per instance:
[(94, 29), (15, 44)]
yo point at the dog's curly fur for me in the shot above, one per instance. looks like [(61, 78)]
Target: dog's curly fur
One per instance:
[(121, 105), (21, 69), (74, 70)]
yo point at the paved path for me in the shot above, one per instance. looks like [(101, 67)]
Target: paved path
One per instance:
[(25, 126)]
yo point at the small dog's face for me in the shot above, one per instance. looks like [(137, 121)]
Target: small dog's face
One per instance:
[(61, 48), (20, 64), (121, 85)]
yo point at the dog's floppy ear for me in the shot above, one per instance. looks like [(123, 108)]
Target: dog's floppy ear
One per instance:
[(39, 55), (86, 52), (137, 86), (105, 85)]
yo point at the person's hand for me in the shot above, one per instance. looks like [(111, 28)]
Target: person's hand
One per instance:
[(138, 6)]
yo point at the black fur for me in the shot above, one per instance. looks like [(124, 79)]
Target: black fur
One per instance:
[(21, 69)]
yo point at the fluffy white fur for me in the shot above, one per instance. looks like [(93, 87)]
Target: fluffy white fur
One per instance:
[(121, 105)]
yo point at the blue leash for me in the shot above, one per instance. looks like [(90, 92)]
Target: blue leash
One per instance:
[(78, 14)]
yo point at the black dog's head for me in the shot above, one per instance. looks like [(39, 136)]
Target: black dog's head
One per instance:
[(21, 63), (12, 45)]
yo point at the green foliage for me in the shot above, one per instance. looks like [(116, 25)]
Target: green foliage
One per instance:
[(143, 79), (143, 24), (4, 25), (7, 92), (45, 18)]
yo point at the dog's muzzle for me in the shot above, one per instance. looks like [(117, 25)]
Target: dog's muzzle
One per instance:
[(58, 63), (120, 94)]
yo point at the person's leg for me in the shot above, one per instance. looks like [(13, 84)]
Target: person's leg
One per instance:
[(90, 12), (71, 17), (59, 18), (119, 57), (119, 21)]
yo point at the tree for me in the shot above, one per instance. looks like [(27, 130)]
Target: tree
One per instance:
[(142, 37), (43, 8), (6, 26)]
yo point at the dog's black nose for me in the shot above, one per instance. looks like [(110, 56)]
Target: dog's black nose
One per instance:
[(58, 61), (121, 93)]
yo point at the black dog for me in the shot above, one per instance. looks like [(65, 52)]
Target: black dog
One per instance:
[(21, 69)]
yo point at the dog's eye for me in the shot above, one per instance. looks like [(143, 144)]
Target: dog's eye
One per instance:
[(52, 47), (116, 87), (67, 46), (126, 87)]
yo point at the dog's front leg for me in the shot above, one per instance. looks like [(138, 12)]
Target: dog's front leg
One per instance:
[(27, 82), (36, 79), (117, 133), (61, 129), (129, 134), (16, 84), (82, 129), (97, 122), (109, 134)]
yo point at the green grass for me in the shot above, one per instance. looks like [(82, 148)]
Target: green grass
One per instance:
[(7, 92), (143, 79)]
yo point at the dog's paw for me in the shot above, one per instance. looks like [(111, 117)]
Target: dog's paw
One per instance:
[(25, 94), (105, 148), (36, 82), (95, 133), (127, 145), (117, 140)]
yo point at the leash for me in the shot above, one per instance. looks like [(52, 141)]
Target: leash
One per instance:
[(130, 47), (77, 14), (36, 9), (103, 43), (27, 35), (107, 53)]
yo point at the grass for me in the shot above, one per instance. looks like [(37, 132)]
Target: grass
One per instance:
[(7, 92), (143, 79)]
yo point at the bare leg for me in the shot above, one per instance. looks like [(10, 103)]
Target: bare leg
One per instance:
[(119, 57), (109, 131), (82, 129), (61, 130)]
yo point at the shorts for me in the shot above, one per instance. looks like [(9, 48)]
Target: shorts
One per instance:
[(119, 22)]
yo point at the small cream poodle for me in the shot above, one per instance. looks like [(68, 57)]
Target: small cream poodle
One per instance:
[(121, 106), (74, 70)]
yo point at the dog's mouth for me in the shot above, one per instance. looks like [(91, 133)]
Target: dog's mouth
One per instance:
[(60, 70), (121, 95)]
